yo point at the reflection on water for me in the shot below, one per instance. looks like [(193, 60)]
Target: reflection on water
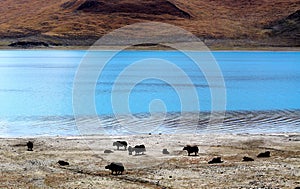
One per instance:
[(36, 93)]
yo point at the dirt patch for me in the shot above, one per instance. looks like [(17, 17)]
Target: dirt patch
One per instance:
[(152, 7)]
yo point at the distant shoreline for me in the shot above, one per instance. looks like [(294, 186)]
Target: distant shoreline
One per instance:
[(106, 136), (212, 44), (213, 48)]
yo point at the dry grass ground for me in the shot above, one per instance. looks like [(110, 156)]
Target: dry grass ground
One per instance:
[(39, 168), (64, 22)]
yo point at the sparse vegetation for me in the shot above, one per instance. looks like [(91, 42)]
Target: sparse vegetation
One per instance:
[(222, 23)]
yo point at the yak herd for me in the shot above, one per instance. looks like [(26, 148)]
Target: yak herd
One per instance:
[(118, 168)]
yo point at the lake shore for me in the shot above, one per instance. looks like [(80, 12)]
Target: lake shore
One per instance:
[(211, 44), (212, 48), (39, 168)]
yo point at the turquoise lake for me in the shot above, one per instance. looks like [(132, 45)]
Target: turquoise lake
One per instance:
[(36, 91)]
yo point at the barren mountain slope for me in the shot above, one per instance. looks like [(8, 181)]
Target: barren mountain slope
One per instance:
[(80, 22)]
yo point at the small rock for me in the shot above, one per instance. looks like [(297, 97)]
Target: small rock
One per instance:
[(165, 151), (245, 158), (108, 151)]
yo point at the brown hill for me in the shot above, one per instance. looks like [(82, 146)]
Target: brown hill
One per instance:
[(287, 29), (80, 22)]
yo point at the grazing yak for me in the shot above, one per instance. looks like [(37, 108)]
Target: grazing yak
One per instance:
[(191, 149), (120, 144), (264, 154), (29, 146), (118, 168), (139, 149)]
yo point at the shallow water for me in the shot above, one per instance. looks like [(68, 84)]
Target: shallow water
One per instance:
[(262, 92)]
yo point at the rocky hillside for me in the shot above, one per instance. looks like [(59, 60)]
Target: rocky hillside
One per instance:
[(287, 29), (221, 23)]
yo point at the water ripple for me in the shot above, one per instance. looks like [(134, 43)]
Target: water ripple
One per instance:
[(234, 122)]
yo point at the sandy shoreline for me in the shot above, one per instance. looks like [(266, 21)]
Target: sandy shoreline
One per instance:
[(39, 169), (158, 47)]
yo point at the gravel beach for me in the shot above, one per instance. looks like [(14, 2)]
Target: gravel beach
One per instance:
[(20, 168)]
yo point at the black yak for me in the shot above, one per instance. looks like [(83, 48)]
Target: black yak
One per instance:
[(120, 143), (29, 146), (139, 149), (215, 160), (118, 168), (264, 154), (191, 149), (63, 163)]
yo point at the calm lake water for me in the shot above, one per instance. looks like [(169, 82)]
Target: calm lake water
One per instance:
[(262, 91)]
